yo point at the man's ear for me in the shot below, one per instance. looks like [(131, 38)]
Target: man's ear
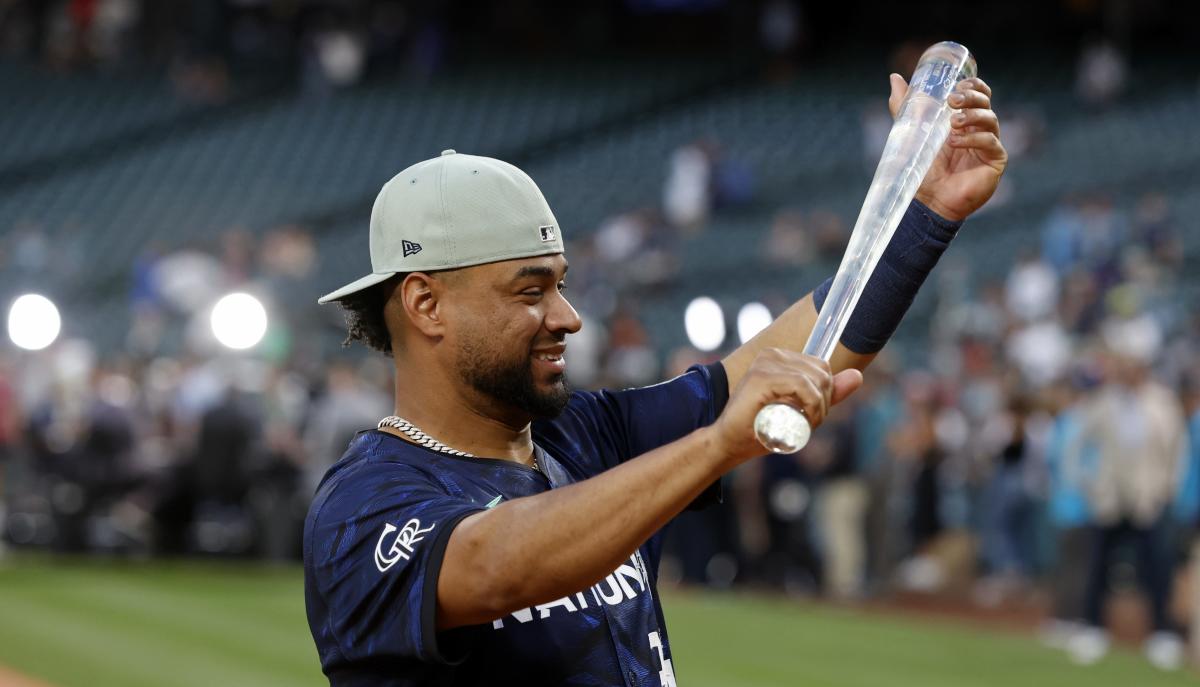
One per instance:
[(419, 303)]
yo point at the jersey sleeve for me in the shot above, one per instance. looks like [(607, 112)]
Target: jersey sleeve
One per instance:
[(619, 425), (378, 544)]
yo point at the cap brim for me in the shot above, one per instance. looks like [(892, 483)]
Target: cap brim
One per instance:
[(355, 286)]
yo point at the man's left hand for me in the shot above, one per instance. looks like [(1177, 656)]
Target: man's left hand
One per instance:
[(968, 167)]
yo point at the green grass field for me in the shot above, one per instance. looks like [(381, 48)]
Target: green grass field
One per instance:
[(90, 624)]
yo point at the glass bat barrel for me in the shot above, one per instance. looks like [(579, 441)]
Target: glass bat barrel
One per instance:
[(920, 130), (917, 135)]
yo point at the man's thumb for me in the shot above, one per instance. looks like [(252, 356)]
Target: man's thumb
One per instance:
[(845, 383), (899, 89)]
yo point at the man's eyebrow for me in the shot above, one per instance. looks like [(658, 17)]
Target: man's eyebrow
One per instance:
[(537, 271)]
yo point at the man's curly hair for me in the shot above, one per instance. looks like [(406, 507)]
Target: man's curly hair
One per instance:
[(365, 321)]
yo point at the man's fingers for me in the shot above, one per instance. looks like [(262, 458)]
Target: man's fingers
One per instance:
[(813, 401), (983, 141), (979, 120), (799, 380), (979, 85), (845, 383), (968, 98)]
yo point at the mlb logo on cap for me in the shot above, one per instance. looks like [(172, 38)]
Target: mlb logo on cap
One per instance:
[(547, 232)]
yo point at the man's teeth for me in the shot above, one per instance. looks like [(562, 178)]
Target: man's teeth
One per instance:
[(548, 357)]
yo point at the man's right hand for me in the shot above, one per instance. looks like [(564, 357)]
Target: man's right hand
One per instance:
[(496, 562), (778, 376)]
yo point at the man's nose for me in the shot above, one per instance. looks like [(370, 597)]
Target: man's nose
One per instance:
[(562, 316)]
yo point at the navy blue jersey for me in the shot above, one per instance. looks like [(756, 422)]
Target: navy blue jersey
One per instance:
[(378, 527)]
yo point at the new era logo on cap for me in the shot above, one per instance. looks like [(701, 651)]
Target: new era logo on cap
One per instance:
[(410, 247), (547, 233)]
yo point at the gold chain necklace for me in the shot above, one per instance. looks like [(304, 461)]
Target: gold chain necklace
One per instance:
[(422, 439)]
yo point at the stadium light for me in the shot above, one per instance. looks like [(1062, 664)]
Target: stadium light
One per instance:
[(752, 319), (33, 322), (705, 323), (239, 321)]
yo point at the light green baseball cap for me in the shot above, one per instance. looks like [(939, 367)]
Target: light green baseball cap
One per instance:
[(455, 211)]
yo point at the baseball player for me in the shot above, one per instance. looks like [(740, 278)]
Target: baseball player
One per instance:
[(501, 528)]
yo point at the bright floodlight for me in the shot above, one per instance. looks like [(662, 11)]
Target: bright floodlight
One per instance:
[(239, 320), (33, 322), (752, 319), (705, 323)]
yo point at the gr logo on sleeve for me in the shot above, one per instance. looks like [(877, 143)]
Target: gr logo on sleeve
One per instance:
[(402, 543)]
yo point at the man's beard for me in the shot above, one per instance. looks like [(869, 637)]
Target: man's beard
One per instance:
[(511, 383)]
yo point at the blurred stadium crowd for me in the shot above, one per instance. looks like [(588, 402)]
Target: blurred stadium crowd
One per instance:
[(1036, 423), (204, 42)]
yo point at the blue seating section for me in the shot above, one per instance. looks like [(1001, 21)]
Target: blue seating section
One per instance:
[(46, 114), (596, 137)]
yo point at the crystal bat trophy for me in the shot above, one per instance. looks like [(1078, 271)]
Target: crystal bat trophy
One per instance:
[(920, 129)]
